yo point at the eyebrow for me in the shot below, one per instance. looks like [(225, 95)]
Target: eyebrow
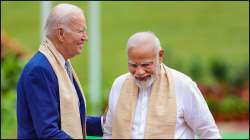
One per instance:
[(144, 62), (147, 61)]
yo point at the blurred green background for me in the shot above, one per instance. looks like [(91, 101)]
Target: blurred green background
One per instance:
[(208, 41)]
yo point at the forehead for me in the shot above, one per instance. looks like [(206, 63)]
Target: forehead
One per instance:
[(142, 52), (77, 21)]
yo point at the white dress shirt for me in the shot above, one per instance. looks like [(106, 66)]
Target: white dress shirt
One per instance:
[(193, 115)]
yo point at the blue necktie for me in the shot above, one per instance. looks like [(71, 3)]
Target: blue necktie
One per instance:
[(70, 74), (69, 70)]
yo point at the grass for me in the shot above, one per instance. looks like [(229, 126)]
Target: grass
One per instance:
[(234, 135)]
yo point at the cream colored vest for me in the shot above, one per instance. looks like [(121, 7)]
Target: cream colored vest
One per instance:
[(161, 114)]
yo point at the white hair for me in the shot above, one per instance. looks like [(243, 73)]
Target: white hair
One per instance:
[(60, 15), (144, 37)]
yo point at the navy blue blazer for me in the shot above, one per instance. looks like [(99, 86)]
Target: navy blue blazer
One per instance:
[(38, 104)]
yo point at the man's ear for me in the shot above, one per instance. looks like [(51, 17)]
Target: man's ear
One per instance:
[(60, 34), (161, 55)]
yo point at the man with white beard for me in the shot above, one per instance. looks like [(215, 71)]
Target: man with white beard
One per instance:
[(154, 101)]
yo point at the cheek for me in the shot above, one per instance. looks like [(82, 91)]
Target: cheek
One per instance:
[(151, 70), (78, 37), (72, 40), (69, 42), (131, 70)]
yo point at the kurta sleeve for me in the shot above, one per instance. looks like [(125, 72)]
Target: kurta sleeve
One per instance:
[(197, 114), (113, 98)]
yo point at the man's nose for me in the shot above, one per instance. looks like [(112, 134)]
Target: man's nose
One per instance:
[(85, 36), (139, 71)]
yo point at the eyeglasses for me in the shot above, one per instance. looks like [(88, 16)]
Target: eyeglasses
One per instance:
[(144, 65), (82, 31)]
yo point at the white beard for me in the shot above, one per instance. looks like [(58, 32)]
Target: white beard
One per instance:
[(149, 81)]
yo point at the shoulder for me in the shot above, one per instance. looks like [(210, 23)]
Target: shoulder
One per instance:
[(186, 89), (120, 79), (116, 88), (181, 78), (117, 84), (38, 61), (38, 65)]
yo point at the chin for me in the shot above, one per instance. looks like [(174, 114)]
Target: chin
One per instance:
[(145, 83)]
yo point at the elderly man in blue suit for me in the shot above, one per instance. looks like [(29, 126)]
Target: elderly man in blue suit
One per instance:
[(50, 101)]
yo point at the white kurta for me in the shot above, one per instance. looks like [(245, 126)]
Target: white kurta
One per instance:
[(193, 115)]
